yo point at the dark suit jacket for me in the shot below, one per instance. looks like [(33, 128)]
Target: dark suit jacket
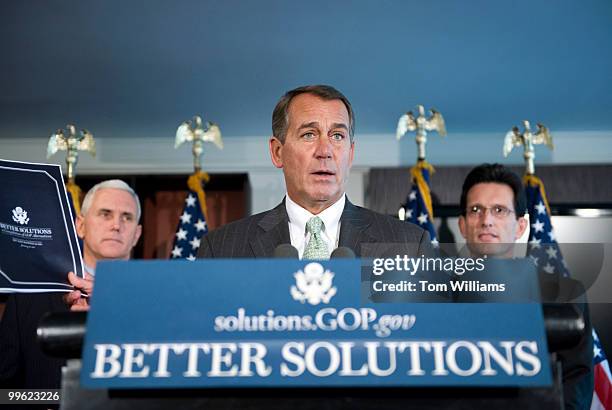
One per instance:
[(576, 362), (366, 232), (22, 362)]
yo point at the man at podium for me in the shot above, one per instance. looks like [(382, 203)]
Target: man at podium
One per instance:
[(313, 143)]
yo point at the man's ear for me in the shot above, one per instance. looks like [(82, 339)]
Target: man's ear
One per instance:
[(276, 152), (522, 225), (80, 226), (462, 225), (137, 235)]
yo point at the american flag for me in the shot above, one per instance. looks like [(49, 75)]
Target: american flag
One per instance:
[(418, 208), (546, 255), (602, 395), (192, 223), (543, 247)]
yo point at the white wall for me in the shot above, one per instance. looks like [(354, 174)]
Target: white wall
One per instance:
[(139, 154)]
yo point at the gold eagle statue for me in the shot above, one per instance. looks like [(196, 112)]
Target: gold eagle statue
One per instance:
[(196, 130), (514, 138), (408, 122), (71, 142)]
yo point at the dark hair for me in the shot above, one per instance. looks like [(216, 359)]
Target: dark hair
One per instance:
[(496, 173), (280, 118)]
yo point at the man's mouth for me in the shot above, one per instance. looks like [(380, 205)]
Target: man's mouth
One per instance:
[(487, 236), (323, 173)]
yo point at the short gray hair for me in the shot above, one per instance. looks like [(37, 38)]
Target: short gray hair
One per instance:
[(110, 184)]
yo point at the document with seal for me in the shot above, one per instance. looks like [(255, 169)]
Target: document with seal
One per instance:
[(38, 242)]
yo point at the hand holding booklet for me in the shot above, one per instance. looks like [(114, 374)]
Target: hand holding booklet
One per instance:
[(38, 241)]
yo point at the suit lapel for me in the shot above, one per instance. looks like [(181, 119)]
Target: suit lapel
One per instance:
[(354, 228), (275, 227)]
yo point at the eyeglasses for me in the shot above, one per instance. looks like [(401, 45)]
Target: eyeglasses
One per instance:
[(498, 211)]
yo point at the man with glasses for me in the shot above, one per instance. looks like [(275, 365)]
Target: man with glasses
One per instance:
[(493, 206)]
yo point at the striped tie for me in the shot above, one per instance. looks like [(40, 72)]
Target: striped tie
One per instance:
[(316, 248)]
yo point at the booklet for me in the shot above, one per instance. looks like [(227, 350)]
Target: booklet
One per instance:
[(38, 241)]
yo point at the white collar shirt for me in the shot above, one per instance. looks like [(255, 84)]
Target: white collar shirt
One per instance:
[(298, 217), (89, 270)]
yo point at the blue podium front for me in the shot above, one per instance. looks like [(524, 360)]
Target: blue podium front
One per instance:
[(289, 323)]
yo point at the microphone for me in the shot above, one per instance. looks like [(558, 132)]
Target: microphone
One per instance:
[(564, 324), (61, 334), (342, 252), (285, 250)]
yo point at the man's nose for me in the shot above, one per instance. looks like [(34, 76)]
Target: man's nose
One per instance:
[(324, 149), (116, 223), (486, 217)]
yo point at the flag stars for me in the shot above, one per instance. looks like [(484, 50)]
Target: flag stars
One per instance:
[(541, 208), (412, 196), (552, 252), (188, 237), (195, 242), (422, 218), (186, 217), (177, 252), (535, 243), (534, 259), (190, 200), (596, 351), (551, 235), (548, 268), (408, 214), (200, 225), (181, 235), (538, 226)]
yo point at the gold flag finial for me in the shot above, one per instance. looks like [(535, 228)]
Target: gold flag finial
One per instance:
[(528, 140), (198, 133), (72, 144), (421, 125)]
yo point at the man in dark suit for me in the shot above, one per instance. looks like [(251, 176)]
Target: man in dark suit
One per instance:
[(108, 225), (493, 206), (312, 142)]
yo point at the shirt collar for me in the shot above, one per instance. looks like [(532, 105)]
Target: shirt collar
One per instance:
[(89, 269), (330, 216)]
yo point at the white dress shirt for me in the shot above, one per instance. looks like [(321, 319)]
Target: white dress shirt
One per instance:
[(89, 270), (298, 217)]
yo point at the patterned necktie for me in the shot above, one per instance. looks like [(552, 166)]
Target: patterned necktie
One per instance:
[(316, 247)]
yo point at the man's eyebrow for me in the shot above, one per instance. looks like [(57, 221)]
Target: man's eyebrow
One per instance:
[(315, 124), (312, 124), (339, 125), (496, 204), (111, 211)]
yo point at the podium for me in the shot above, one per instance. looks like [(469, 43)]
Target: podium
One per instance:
[(426, 398), (250, 335)]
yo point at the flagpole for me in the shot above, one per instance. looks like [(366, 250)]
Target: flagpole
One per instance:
[(418, 207), (192, 223)]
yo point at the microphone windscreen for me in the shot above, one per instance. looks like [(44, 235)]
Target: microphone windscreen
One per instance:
[(342, 252), (286, 250)]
